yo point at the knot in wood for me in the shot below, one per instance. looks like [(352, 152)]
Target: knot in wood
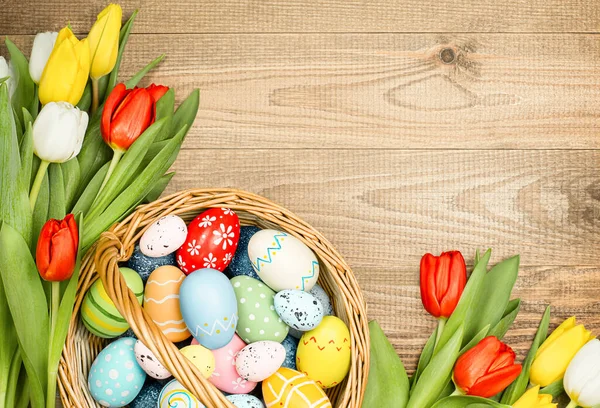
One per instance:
[(447, 55)]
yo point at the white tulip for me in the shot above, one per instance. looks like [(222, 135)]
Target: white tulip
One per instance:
[(58, 132), (582, 379), (7, 70), (40, 52)]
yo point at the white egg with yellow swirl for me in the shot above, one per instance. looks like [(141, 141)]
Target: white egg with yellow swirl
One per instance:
[(174, 395)]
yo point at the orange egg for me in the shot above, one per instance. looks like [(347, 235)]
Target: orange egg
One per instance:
[(289, 388), (161, 302)]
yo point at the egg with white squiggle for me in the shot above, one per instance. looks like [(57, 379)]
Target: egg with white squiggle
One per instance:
[(175, 395), (161, 302), (283, 261)]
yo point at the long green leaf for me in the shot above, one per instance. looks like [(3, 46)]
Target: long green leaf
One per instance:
[(187, 111), (86, 99), (123, 38), (158, 188), (71, 175), (555, 389), (510, 314), (8, 346), (22, 397), (24, 93), (165, 109), (40, 213), (475, 340), (31, 317), (519, 386), (437, 374), (13, 379), (425, 357), (87, 198), (465, 401), (142, 73), (388, 385), (26, 150), (58, 207), (94, 154)]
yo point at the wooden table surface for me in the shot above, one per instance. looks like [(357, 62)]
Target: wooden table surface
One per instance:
[(394, 127)]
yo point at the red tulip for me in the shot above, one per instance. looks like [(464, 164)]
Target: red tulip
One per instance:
[(128, 113), (443, 279), (56, 251), (486, 369)]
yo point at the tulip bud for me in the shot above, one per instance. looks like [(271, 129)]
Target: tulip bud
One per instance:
[(104, 41), (533, 399), (56, 251), (443, 279), (486, 369), (40, 52), (7, 70), (582, 378), (66, 73), (128, 113), (58, 132), (555, 354)]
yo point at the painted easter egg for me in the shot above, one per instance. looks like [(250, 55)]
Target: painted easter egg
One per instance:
[(98, 312), (145, 265), (298, 309), (259, 360), (161, 302), (174, 395), (148, 396), (290, 344), (283, 261), (164, 236), (318, 292), (324, 354), (211, 241), (209, 307), (245, 401), (258, 319), (225, 376), (149, 362), (201, 357), (115, 377), (289, 388), (241, 264)]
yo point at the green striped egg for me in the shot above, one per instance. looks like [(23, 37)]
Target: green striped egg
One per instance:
[(100, 315)]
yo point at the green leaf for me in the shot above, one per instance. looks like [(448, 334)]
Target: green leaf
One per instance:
[(26, 150), (123, 38), (94, 154), (519, 386), (22, 398), (33, 338), (164, 109), (40, 213), (24, 93), (86, 99), (13, 378), (70, 171), (142, 73), (437, 374), (465, 310), (58, 207), (8, 346), (555, 389), (158, 188), (475, 340), (89, 194), (187, 111), (125, 170), (14, 198), (425, 357), (135, 192), (388, 385), (510, 314), (102, 87), (465, 401)]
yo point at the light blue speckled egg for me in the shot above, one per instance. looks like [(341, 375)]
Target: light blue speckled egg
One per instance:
[(290, 344), (245, 401), (318, 292), (209, 307), (175, 395), (298, 309), (115, 377)]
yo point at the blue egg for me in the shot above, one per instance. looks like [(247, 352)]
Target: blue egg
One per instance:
[(318, 292), (148, 397), (245, 401), (209, 307), (145, 265), (290, 344), (298, 309), (241, 264), (115, 377)]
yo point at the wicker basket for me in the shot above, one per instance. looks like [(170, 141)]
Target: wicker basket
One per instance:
[(117, 246)]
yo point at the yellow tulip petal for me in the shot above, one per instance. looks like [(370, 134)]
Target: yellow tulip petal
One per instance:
[(104, 41), (529, 399), (567, 324)]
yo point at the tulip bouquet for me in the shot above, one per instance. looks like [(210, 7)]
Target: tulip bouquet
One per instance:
[(78, 152), (465, 363)]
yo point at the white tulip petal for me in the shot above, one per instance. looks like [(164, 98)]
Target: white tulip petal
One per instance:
[(584, 369), (590, 394), (40, 52)]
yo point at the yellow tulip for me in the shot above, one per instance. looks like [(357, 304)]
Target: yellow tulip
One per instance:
[(104, 41), (533, 399), (554, 356), (67, 70)]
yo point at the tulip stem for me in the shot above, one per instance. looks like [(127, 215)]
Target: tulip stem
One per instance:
[(572, 404), (37, 183), (440, 330), (95, 95), (117, 154), (52, 371)]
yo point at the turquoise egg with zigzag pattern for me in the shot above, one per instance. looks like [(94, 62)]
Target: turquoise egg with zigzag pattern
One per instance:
[(282, 261), (209, 307)]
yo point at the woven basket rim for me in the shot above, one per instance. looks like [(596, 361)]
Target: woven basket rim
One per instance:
[(117, 245)]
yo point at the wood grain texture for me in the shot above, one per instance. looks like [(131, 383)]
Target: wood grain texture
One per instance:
[(234, 16), (381, 91)]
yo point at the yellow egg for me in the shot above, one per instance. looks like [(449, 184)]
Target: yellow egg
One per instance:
[(288, 388), (201, 357), (324, 353), (161, 302)]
